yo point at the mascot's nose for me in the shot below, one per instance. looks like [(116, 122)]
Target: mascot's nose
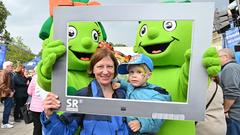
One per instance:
[(152, 33), (86, 43)]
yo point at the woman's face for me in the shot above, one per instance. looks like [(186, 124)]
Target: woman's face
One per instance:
[(23, 71), (104, 71)]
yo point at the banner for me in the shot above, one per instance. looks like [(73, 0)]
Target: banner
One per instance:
[(30, 65), (232, 37), (2, 54)]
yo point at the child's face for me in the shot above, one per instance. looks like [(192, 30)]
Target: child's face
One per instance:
[(137, 75)]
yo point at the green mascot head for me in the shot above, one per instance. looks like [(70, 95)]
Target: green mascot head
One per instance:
[(83, 39), (165, 42)]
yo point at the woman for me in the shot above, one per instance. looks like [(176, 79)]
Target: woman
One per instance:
[(36, 106), (20, 95), (103, 67)]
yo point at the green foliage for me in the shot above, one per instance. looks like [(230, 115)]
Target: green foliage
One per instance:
[(3, 16), (6, 37), (18, 52)]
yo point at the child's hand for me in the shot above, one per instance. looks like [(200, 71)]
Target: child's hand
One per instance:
[(115, 85), (134, 125)]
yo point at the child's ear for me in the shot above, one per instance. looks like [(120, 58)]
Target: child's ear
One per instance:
[(148, 75)]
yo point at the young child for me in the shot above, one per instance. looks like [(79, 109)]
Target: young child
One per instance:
[(139, 69)]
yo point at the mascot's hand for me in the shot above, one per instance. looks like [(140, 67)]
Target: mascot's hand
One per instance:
[(51, 51), (187, 55), (184, 73), (185, 67), (211, 62)]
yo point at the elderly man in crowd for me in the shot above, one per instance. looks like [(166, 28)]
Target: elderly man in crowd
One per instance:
[(230, 82), (6, 93)]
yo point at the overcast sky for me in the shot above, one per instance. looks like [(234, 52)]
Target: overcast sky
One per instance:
[(27, 17)]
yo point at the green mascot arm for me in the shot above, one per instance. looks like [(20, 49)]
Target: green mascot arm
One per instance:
[(211, 62), (52, 50), (184, 74)]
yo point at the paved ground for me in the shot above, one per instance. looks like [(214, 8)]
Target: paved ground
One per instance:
[(20, 128)]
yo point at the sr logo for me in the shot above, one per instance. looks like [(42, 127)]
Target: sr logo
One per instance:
[(72, 104)]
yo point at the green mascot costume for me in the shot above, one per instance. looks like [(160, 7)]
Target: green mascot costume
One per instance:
[(165, 43), (83, 39), (168, 44)]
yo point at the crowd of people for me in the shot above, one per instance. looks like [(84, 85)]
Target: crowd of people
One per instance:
[(223, 109), (17, 87)]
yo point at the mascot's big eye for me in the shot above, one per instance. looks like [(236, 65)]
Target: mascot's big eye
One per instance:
[(95, 35), (72, 32), (169, 25), (143, 30)]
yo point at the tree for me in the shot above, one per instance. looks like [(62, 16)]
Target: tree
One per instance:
[(4, 34), (18, 52), (4, 13), (18, 41), (6, 37)]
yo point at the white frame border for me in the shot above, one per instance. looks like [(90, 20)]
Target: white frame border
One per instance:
[(202, 15)]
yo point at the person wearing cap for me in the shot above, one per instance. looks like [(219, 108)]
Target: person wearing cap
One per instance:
[(139, 69)]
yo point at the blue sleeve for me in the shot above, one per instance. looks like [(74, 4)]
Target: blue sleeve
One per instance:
[(162, 94), (149, 125), (54, 126), (161, 97)]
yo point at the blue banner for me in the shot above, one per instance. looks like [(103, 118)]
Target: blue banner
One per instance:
[(30, 65), (232, 37), (2, 54)]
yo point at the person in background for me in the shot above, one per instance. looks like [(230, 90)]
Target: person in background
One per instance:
[(6, 93), (103, 67), (230, 83), (233, 12), (214, 114), (28, 76), (36, 106), (20, 96)]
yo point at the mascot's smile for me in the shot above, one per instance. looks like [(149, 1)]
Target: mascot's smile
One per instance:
[(82, 56), (158, 47)]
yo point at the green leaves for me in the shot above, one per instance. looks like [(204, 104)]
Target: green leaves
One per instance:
[(18, 52), (4, 13)]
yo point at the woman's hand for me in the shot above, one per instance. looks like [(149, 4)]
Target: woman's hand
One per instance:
[(134, 125), (50, 103)]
